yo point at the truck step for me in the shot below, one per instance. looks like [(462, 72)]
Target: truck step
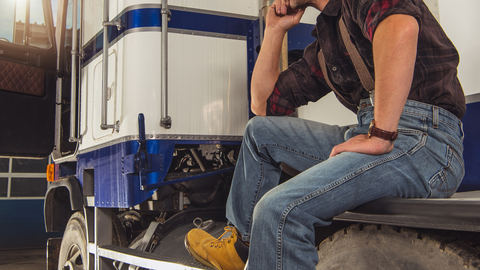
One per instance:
[(146, 259)]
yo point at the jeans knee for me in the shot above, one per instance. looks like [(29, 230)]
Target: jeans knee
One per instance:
[(258, 127), (255, 123), (267, 210)]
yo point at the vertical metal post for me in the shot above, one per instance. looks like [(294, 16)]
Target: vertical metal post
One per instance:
[(165, 121), (105, 65), (14, 21), (74, 53), (265, 4), (106, 24), (26, 31), (102, 234)]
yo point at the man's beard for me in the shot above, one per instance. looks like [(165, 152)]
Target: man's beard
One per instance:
[(296, 4)]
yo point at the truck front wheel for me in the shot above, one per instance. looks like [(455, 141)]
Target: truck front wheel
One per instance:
[(362, 246), (73, 250)]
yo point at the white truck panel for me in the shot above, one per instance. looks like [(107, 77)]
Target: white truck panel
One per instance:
[(207, 87)]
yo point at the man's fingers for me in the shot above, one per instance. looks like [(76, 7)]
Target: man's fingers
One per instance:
[(285, 5), (336, 150), (281, 6)]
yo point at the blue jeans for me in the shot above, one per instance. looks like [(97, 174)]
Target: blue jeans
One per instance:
[(279, 220)]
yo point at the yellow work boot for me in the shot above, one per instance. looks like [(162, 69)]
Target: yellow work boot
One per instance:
[(229, 253)]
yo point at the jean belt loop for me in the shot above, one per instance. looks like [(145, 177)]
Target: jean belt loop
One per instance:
[(435, 117)]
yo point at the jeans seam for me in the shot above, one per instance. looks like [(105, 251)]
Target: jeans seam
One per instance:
[(447, 123), (458, 157), (319, 192), (450, 126), (419, 145), (246, 235), (290, 150), (451, 139), (442, 173)]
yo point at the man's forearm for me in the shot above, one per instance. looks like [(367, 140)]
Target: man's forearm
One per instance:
[(266, 71)]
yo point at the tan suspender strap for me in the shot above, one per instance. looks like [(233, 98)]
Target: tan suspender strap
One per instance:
[(360, 67), (323, 66), (362, 71)]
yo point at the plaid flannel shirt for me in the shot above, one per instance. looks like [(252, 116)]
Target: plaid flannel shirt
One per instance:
[(435, 76)]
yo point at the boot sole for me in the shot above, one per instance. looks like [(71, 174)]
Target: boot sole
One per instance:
[(197, 257)]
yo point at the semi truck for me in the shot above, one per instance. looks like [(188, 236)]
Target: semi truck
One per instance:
[(142, 106)]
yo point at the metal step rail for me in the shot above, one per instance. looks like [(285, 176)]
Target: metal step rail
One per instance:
[(106, 25), (145, 259)]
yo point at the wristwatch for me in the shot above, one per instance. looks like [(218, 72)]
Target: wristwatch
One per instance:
[(380, 133)]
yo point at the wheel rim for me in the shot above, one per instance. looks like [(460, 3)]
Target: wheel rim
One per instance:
[(74, 260)]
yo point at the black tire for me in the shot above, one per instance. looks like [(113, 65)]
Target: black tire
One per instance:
[(73, 250), (371, 246)]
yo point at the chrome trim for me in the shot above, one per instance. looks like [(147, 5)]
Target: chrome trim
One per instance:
[(187, 9), (206, 34), (180, 137)]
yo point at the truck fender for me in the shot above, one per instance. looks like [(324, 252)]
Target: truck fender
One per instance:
[(62, 199)]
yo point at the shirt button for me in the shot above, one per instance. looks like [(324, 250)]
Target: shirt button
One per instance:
[(334, 68)]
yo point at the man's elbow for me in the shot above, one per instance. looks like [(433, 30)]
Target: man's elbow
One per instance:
[(410, 27), (258, 110)]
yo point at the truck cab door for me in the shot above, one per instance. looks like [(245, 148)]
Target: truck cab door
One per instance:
[(27, 78)]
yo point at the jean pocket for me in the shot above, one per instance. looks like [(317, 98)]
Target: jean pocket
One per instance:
[(446, 181), (410, 140)]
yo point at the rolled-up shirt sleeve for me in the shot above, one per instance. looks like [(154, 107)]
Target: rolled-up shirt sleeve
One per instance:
[(369, 13), (296, 86)]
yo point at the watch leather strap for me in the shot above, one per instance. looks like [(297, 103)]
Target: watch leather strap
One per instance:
[(380, 133)]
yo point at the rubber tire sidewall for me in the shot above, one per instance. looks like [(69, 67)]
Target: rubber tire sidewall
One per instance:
[(75, 234), (362, 246)]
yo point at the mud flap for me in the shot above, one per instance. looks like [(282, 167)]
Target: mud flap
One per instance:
[(53, 250)]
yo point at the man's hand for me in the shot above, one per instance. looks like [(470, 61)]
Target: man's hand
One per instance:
[(364, 145), (280, 16)]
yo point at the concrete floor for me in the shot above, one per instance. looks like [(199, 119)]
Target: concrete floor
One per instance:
[(23, 259)]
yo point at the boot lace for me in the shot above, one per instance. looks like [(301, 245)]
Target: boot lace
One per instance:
[(219, 242)]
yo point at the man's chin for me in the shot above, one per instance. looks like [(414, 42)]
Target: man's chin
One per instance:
[(298, 5)]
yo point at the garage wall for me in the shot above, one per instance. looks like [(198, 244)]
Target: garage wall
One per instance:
[(22, 190), (460, 21)]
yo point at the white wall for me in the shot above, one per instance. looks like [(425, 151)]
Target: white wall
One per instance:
[(461, 21), (433, 6)]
